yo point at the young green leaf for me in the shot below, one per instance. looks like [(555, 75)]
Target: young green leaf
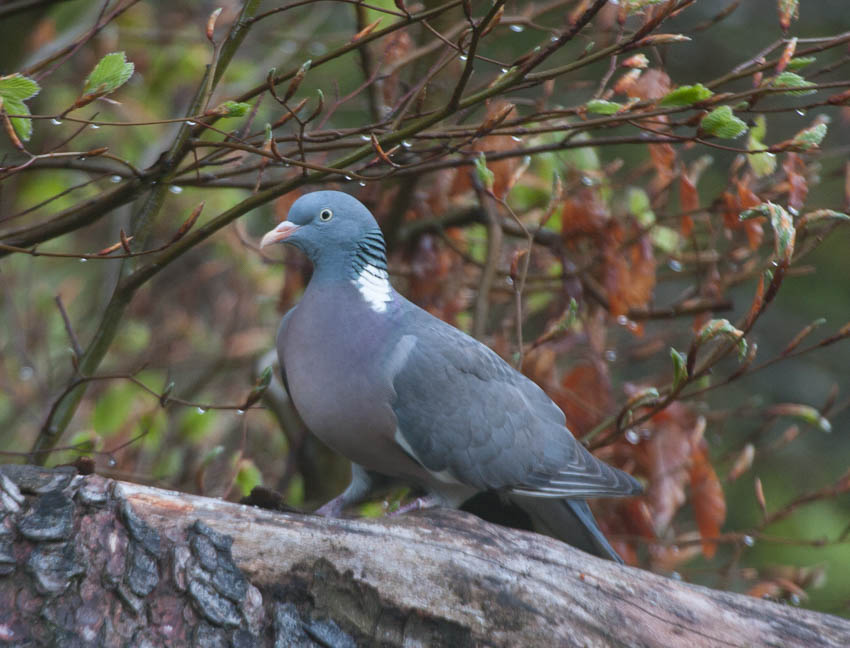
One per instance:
[(722, 123), (15, 89), (800, 62), (762, 164), (602, 107), (783, 227), (485, 175), (794, 81), (811, 137), (686, 95), (680, 369), (231, 109), (110, 73)]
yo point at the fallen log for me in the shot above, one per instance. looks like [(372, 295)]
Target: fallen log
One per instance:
[(88, 561)]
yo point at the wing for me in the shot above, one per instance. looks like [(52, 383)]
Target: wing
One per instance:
[(279, 345), (467, 416)]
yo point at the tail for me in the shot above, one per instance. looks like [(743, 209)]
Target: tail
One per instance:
[(568, 520)]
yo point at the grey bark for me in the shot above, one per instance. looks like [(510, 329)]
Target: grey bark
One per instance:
[(88, 561)]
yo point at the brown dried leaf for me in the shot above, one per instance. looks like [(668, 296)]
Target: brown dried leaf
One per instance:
[(707, 498)]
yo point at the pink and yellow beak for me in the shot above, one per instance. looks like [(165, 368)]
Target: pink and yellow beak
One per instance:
[(284, 230)]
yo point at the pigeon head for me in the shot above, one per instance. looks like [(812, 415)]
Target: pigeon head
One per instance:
[(330, 225)]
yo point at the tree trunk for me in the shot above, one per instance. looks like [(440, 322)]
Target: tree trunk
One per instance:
[(88, 561)]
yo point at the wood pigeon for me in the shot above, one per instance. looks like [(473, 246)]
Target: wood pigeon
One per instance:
[(409, 398)]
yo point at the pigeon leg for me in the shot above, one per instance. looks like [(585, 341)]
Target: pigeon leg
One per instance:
[(357, 491), (431, 500)]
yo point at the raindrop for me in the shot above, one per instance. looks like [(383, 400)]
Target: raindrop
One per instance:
[(56, 122), (800, 112), (365, 138), (111, 462), (632, 437), (554, 39), (82, 158), (610, 355), (240, 412), (94, 126), (348, 178), (191, 123), (175, 189), (462, 57), (504, 70), (587, 181), (676, 576), (362, 184), (622, 320), (116, 179), (406, 144), (795, 599), (517, 28), (26, 373), (749, 540), (537, 49), (202, 410), (516, 138), (793, 211), (83, 260), (674, 265)]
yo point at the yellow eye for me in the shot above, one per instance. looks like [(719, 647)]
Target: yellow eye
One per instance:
[(326, 215)]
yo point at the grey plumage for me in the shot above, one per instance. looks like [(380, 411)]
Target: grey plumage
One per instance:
[(402, 394)]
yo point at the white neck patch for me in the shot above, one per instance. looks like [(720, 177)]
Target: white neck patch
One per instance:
[(374, 285)]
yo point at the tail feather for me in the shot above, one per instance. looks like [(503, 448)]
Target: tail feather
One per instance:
[(570, 521)]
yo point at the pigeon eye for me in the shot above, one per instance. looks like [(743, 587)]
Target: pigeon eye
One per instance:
[(325, 215)]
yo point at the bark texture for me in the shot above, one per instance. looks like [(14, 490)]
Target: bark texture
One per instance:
[(87, 561)]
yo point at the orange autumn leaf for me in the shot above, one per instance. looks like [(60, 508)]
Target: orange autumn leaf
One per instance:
[(629, 274), (689, 203), (798, 187), (584, 212), (585, 396), (707, 498)]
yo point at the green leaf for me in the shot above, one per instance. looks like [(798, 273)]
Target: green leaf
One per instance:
[(792, 80), (110, 73), (602, 107), (485, 175), (248, 476), (686, 95), (666, 239), (18, 87), (722, 123), (640, 207), (782, 224), (680, 369), (232, 109), (722, 327), (800, 62), (14, 90), (811, 137), (112, 409), (762, 164)]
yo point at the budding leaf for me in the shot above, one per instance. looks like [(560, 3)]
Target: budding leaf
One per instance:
[(485, 175), (680, 369), (15, 89), (110, 73), (686, 95), (722, 123), (232, 109)]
